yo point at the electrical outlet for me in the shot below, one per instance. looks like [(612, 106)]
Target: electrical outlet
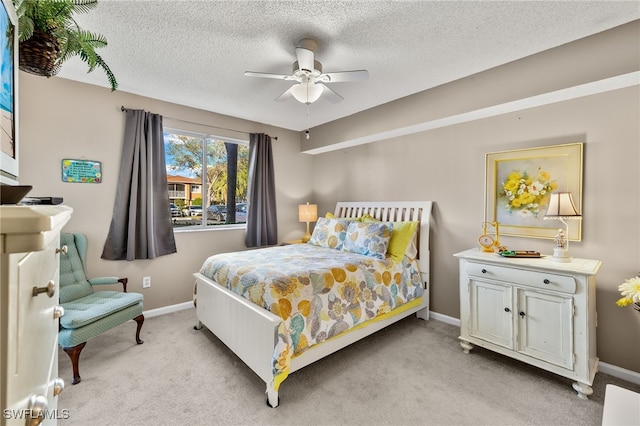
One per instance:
[(146, 282)]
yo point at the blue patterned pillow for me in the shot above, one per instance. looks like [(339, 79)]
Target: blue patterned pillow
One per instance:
[(329, 233), (368, 238)]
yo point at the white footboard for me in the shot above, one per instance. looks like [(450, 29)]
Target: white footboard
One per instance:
[(248, 330), (251, 332)]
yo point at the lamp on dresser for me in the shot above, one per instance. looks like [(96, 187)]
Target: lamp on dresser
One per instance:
[(307, 213), (562, 208)]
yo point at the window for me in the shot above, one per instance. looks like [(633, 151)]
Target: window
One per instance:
[(201, 171)]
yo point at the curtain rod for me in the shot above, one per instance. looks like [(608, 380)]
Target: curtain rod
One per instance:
[(123, 108)]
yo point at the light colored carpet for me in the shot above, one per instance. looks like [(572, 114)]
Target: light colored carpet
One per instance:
[(413, 372)]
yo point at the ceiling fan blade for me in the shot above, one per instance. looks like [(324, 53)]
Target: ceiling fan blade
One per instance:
[(330, 95), (305, 58), (286, 95), (268, 75), (336, 77)]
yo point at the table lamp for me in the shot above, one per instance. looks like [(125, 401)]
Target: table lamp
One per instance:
[(562, 208), (307, 213)]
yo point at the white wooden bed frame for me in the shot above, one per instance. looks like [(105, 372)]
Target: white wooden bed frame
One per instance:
[(251, 331)]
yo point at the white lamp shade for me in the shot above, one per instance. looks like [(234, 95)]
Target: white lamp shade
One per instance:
[(561, 205), (308, 212), (307, 93)]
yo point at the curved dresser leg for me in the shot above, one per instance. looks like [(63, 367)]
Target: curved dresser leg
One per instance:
[(466, 346), (583, 390)]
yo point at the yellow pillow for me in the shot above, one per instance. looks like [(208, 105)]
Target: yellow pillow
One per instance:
[(401, 237)]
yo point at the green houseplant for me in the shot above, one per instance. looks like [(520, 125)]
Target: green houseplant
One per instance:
[(49, 35)]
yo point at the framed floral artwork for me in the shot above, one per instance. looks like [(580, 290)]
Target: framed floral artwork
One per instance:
[(518, 184)]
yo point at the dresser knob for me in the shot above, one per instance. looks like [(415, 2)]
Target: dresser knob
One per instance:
[(63, 250), (521, 314), (58, 312), (50, 289), (546, 281), (58, 386), (484, 271), (507, 310), (38, 404)]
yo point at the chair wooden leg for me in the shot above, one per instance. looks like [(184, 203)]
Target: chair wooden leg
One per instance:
[(74, 354), (139, 319)]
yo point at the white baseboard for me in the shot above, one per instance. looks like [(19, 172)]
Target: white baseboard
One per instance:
[(167, 309), (444, 318), (620, 373), (603, 367)]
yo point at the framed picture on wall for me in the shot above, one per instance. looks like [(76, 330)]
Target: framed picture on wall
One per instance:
[(81, 171), (8, 94), (518, 184)]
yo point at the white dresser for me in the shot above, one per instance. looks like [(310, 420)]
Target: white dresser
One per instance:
[(535, 310), (29, 312)]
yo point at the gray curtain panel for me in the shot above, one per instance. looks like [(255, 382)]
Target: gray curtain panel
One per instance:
[(141, 223), (262, 223)]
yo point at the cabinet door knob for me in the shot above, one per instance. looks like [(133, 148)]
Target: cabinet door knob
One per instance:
[(507, 310), (50, 289), (63, 250), (546, 281), (58, 312), (58, 386), (521, 314), (38, 404), (484, 271)]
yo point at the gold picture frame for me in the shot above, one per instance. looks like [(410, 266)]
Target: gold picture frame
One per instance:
[(518, 184)]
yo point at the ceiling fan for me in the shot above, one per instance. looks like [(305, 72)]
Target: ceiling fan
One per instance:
[(311, 81)]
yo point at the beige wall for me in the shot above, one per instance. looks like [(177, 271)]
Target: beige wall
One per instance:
[(446, 165), (65, 119)]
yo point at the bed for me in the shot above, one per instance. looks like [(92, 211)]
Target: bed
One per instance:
[(270, 335)]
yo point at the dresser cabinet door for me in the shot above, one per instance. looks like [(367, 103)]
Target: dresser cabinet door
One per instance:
[(33, 362), (491, 313), (545, 327)]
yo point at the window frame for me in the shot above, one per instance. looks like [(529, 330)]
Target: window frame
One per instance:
[(206, 137)]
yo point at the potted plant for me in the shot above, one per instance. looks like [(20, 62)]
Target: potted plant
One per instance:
[(49, 35)]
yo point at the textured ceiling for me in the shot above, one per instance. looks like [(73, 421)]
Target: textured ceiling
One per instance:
[(194, 53)]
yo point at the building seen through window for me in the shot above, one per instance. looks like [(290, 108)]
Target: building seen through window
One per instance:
[(206, 179)]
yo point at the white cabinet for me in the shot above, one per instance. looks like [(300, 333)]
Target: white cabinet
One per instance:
[(29, 313), (535, 310)]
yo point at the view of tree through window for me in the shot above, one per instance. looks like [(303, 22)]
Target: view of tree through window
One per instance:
[(206, 190)]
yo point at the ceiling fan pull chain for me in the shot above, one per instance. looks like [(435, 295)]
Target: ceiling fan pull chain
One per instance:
[(306, 133)]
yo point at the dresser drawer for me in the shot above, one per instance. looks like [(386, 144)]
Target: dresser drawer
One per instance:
[(544, 280), (42, 265)]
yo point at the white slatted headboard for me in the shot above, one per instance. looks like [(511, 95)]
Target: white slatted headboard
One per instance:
[(396, 212)]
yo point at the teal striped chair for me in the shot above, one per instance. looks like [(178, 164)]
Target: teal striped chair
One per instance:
[(89, 313)]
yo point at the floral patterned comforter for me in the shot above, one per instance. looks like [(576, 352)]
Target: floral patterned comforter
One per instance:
[(318, 292)]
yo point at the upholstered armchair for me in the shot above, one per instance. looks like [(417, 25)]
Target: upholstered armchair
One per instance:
[(88, 313)]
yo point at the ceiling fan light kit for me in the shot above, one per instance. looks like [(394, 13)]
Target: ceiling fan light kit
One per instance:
[(307, 72), (306, 93)]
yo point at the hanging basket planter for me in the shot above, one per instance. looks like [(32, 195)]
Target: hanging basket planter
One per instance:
[(39, 54)]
